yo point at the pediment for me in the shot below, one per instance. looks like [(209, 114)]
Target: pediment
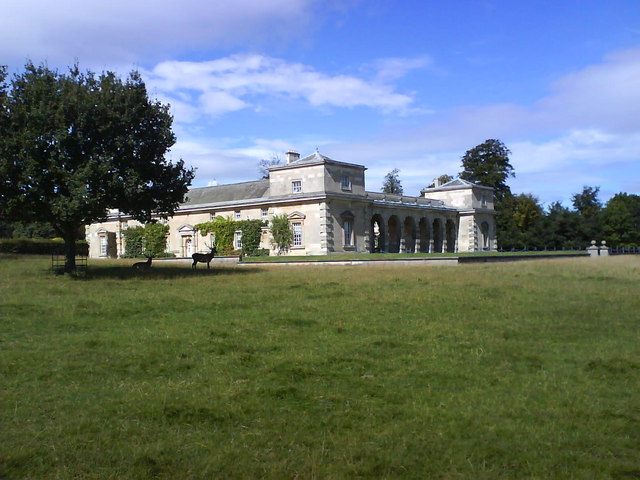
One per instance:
[(297, 216)]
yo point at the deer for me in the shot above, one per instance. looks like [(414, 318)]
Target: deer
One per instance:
[(203, 257), (142, 265)]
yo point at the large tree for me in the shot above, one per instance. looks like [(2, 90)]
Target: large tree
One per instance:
[(75, 144), (488, 164), (391, 183), (622, 220), (589, 208)]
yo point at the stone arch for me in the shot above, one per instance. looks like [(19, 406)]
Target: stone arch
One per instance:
[(423, 236), (394, 234), (451, 235), (485, 239), (347, 219), (378, 231), (409, 235), (437, 236)]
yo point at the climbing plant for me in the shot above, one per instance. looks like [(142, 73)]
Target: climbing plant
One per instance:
[(251, 234), (281, 233), (223, 230), (155, 239), (133, 242), (147, 241)]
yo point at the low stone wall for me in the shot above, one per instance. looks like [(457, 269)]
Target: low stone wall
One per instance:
[(230, 260)]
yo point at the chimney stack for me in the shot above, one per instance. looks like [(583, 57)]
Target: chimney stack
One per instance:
[(291, 156)]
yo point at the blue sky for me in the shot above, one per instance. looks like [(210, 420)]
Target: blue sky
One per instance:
[(387, 84)]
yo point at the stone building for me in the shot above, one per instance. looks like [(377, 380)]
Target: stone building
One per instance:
[(330, 211)]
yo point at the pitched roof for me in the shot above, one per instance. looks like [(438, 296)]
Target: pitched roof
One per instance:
[(315, 158), (228, 193), (459, 182)]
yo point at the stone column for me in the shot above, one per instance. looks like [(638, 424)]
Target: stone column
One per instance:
[(326, 229)]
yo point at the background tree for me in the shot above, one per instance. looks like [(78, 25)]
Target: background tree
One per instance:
[(588, 207), (488, 164), (391, 183), (75, 144), (561, 226), (281, 232), (442, 179), (265, 164), (621, 220), (523, 227)]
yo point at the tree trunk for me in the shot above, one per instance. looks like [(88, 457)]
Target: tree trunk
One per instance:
[(70, 251)]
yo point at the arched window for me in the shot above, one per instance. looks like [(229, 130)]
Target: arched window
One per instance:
[(347, 229)]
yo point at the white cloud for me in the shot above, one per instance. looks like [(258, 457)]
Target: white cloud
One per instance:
[(233, 83), (389, 69), (605, 95), (125, 31)]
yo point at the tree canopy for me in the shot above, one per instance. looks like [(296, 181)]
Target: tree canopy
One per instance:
[(391, 183), (75, 144), (442, 179), (622, 220), (281, 232), (265, 164), (488, 164)]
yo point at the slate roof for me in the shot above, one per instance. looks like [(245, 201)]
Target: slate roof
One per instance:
[(454, 184), (228, 193), (459, 182), (315, 158)]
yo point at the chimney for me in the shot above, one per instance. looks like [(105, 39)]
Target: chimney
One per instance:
[(436, 182), (292, 156)]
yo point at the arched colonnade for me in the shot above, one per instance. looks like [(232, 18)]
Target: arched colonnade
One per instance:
[(396, 233)]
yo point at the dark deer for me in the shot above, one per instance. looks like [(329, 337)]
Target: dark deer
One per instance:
[(203, 257), (142, 265)]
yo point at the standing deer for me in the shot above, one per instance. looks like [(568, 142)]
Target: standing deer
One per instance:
[(203, 257), (142, 265)]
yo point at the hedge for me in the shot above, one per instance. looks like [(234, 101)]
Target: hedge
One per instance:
[(40, 246)]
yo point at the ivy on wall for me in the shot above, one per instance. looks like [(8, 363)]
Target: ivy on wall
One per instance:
[(224, 229), (251, 234), (147, 241), (281, 232)]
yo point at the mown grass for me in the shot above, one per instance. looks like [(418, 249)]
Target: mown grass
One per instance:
[(501, 371), (400, 256)]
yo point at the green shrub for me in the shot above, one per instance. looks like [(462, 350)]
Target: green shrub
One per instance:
[(133, 242), (223, 229), (41, 246), (281, 233), (251, 234), (147, 241)]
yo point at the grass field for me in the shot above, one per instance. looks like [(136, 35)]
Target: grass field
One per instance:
[(495, 371)]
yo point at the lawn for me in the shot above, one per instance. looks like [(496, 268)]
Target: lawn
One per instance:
[(526, 370)]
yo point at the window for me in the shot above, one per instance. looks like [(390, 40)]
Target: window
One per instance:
[(297, 234), (265, 213), (237, 240), (103, 245), (348, 233), (347, 229), (237, 214), (345, 182), (296, 186), (212, 216)]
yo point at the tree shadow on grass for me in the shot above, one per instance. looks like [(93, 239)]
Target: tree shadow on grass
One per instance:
[(160, 272)]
